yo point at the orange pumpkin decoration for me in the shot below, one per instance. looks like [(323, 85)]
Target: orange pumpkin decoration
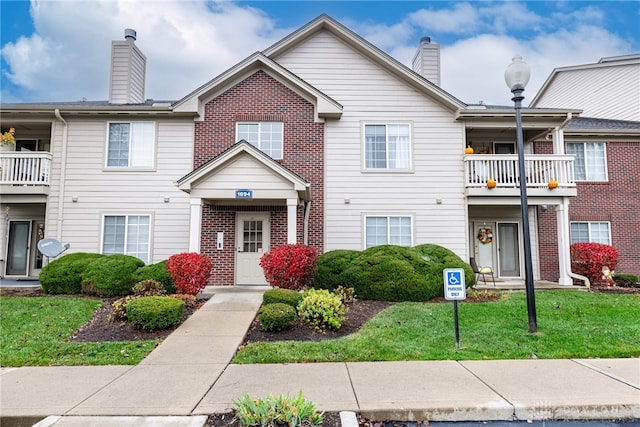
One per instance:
[(491, 183), (553, 184), (468, 150)]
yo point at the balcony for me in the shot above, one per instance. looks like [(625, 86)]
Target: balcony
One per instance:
[(25, 172), (503, 168)]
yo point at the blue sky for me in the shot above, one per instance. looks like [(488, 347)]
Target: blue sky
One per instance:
[(58, 50)]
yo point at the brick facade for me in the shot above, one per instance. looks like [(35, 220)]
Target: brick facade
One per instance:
[(261, 98), (616, 201)]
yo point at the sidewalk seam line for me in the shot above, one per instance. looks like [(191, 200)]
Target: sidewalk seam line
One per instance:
[(67, 413), (355, 395), (605, 373), (513, 407)]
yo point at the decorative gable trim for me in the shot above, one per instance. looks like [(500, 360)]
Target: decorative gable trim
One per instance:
[(190, 181), (325, 107)]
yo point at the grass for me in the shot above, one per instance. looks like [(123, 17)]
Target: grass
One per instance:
[(35, 331), (570, 325)]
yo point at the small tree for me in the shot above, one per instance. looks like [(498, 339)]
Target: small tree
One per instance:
[(588, 259), (289, 266), (190, 271)]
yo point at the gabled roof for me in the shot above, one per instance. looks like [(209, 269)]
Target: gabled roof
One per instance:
[(326, 23), (592, 126), (613, 61), (243, 147), (195, 101)]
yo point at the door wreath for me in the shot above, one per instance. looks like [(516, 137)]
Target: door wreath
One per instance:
[(485, 235)]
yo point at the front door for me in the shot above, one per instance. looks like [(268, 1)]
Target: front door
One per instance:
[(485, 244), (252, 241), (509, 250), (18, 248)]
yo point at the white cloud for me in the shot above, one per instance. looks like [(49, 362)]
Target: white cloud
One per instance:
[(461, 19), (186, 44)]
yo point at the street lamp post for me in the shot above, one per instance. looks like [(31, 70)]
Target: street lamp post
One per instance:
[(517, 76)]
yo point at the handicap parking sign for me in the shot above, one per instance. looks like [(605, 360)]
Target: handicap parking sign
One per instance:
[(454, 287)]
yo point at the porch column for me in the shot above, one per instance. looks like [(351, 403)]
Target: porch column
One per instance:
[(195, 224), (292, 220), (564, 256)]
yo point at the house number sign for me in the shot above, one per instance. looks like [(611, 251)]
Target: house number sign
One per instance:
[(244, 194)]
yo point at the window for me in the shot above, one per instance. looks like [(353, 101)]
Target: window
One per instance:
[(131, 144), (598, 232), (591, 162), (126, 234), (266, 136), (388, 230), (387, 146)]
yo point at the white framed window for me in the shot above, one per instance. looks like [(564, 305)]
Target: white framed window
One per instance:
[(591, 231), (126, 234), (388, 230), (387, 146), (266, 136), (591, 160), (131, 144)]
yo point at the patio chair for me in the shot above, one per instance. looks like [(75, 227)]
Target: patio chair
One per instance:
[(482, 271)]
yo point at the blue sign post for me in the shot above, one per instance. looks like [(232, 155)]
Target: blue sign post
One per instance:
[(454, 290)]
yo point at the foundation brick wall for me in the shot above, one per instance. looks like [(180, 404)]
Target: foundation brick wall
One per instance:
[(616, 201), (261, 98)]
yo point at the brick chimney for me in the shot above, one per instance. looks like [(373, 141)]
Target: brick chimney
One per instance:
[(128, 70), (426, 61)]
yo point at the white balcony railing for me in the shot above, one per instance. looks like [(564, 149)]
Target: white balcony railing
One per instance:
[(25, 168), (503, 168)]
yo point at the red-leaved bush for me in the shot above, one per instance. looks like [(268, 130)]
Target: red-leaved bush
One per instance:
[(190, 272), (588, 259), (289, 266)]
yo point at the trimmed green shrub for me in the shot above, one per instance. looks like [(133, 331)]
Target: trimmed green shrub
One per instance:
[(391, 273), (153, 313), (322, 310), (147, 288), (285, 296), (276, 316), (64, 275), (331, 267), (158, 272), (625, 280), (110, 276)]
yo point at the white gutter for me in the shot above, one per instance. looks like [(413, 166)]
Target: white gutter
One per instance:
[(305, 230), (63, 171)]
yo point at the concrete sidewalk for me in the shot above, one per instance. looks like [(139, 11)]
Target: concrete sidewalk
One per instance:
[(188, 376)]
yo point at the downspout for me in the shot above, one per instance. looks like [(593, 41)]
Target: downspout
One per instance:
[(305, 226), (576, 276), (63, 171)]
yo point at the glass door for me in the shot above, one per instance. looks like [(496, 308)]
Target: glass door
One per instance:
[(18, 248), (508, 250)]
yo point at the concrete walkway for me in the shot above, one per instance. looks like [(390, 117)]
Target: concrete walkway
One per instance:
[(188, 376)]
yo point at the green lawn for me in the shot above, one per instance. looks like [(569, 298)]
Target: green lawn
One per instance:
[(35, 331), (570, 325)]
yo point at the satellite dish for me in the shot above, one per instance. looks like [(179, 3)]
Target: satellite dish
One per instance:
[(51, 247)]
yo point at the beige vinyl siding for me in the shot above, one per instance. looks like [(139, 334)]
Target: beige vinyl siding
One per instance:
[(370, 94), (605, 92), (105, 192), (127, 73), (243, 172)]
